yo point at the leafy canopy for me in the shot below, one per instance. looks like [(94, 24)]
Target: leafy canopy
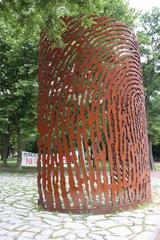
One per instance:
[(149, 38), (21, 22), (30, 17)]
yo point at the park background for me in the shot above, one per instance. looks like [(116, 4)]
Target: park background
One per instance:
[(20, 25)]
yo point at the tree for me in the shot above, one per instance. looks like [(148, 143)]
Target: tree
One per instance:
[(4, 121), (149, 38), (18, 89), (31, 15), (20, 25)]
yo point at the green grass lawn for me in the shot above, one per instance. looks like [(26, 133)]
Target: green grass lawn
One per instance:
[(11, 163), (11, 167), (157, 166)]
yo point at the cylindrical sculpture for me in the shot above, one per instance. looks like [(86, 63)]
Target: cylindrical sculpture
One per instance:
[(93, 149)]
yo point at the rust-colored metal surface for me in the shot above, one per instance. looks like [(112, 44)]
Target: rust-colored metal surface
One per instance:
[(93, 149)]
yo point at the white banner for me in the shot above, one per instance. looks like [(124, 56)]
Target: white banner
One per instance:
[(29, 159)]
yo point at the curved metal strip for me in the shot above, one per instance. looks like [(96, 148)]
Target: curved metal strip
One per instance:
[(93, 149)]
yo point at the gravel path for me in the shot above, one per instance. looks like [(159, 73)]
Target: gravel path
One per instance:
[(21, 219)]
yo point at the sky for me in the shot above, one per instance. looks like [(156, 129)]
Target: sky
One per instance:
[(144, 5)]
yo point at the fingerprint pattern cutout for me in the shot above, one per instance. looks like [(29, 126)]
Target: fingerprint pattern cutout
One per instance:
[(93, 147)]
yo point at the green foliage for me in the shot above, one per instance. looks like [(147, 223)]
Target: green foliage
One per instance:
[(120, 10), (149, 38), (33, 16), (154, 118), (20, 25), (18, 86), (31, 142)]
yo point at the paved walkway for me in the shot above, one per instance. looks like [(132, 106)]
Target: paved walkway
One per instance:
[(20, 218)]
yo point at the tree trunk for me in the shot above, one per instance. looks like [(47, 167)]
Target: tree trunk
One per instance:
[(5, 149), (19, 149), (152, 165)]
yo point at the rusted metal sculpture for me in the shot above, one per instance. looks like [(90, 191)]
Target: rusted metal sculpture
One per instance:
[(92, 117)]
